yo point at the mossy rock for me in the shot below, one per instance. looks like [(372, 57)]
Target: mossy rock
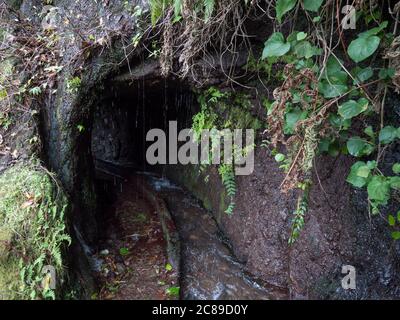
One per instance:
[(32, 231), (5, 241)]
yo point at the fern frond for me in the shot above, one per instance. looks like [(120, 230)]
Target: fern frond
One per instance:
[(157, 9), (299, 214), (208, 9)]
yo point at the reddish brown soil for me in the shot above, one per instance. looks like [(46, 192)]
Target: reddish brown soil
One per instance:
[(140, 272)]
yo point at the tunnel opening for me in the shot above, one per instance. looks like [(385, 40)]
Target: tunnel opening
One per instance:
[(128, 111), (132, 244), (155, 239)]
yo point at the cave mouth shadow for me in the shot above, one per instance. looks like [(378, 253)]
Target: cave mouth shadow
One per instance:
[(124, 113)]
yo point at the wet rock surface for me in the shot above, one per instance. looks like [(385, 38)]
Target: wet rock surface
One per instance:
[(338, 231), (209, 269), (132, 261)]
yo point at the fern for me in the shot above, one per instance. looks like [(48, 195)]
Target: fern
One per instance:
[(230, 208), (299, 214), (208, 9), (157, 9), (177, 7), (227, 173)]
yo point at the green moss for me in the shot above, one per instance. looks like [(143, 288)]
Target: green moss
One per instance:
[(32, 209)]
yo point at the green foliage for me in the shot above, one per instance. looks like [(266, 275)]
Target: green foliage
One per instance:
[(159, 7), (366, 44), (312, 5), (123, 251), (168, 267), (379, 187), (351, 108), (304, 109), (173, 291), (359, 147), (32, 211), (282, 7), (222, 110), (388, 134), (300, 212), (208, 9), (74, 84), (275, 46), (227, 173)]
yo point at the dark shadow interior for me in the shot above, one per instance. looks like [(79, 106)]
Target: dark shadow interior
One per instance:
[(121, 120), (128, 111)]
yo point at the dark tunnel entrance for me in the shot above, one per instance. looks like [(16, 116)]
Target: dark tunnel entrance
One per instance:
[(155, 239), (133, 243), (128, 111)]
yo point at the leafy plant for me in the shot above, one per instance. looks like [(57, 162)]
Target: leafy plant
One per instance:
[(220, 110), (32, 212), (227, 174), (303, 117), (124, 251), (284, 6), (173, 291), (74, 84), (366, 44)]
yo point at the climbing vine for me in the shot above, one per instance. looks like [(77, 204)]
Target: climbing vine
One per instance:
[(326, 96)]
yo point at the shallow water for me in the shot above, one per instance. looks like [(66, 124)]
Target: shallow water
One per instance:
[(209, 269)]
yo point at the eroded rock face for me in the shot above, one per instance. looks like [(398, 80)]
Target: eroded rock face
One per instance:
[(338, 232)]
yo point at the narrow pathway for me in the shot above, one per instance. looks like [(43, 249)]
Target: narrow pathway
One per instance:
[(209, 269), (135, 256), (134, 262)]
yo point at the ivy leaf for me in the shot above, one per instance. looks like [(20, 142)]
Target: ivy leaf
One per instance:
[(363, 171), (279, 157), (304, 49), (335, 79), (312, 5), (369, 131), (330, 90), (363, 47), (371, 164), (358, 147), (373, 31), (366, 43), (394, 182), (391, 220), (387, 134), (275, 46), (352, 108), (362, 75), (334, 71), (282, 7), (291, 119), (386, 73), (301, 36), (396, 168), (378, 189), (396, 235), (353, 178)]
